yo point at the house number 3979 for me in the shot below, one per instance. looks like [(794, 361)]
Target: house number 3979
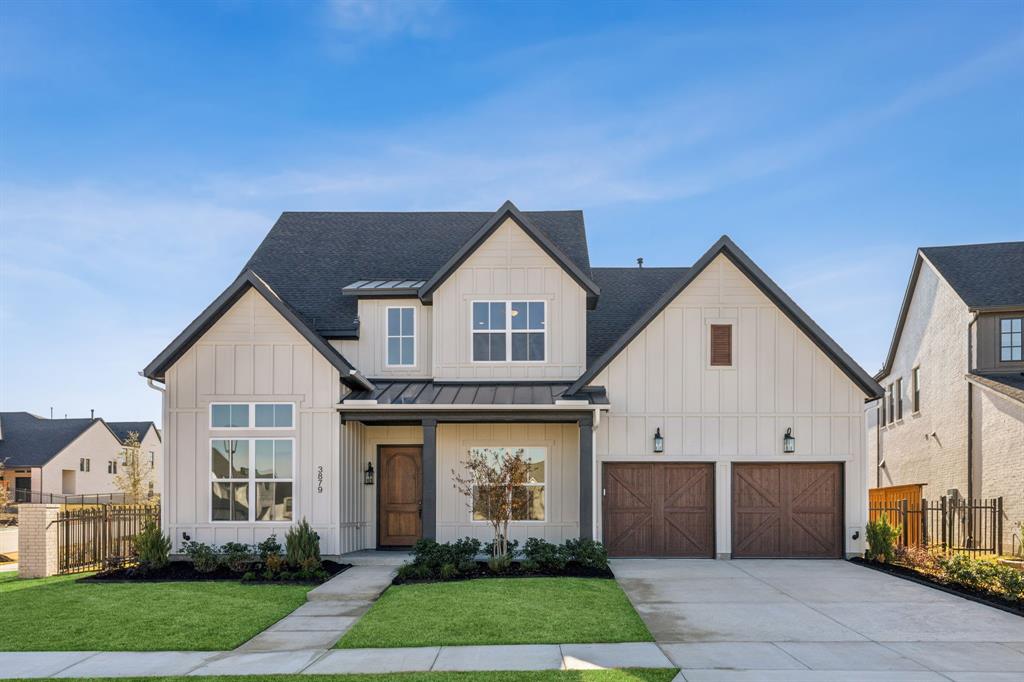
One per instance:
[(319, 479)]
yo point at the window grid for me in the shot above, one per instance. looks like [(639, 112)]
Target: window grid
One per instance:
[(509, 331), (252, 480), (241, 416), (535, 456), (1010, 334), (916, 388), (400, 331)]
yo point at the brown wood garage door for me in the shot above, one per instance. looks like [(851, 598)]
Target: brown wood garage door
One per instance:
[(659, 509), (787, 510)]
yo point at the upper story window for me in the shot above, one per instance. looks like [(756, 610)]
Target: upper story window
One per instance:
[(720, 345), (1010, 339), (892, 405), (401, 337), (84, 464), (252, 415), (509, 330), (899, 398), (915, 386), (112, 466)]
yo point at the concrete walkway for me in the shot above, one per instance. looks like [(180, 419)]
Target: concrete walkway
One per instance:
[(722, 621), (332, 608), (336, 661)]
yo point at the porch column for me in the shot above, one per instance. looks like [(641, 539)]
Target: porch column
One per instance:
[(429, 516), (586, 477)]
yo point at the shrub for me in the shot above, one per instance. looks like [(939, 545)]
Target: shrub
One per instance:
[(433, 555), (269, 548), (915, 557), (973, 573), (448, 571), (1010, 581), (406, 571), (881, 537), (542, 555), (302, 543), (587, 553), (152, 547), (203, 556), (237, 556), (499, 564)]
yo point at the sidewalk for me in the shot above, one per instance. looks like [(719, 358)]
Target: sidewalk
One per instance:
[(336, 661)]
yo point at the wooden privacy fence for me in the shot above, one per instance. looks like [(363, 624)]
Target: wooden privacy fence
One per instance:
[(94, 538), (890, 500), (949, 525)]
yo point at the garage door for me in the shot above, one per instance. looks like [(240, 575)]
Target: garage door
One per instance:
[(787, 510), (659, 509)]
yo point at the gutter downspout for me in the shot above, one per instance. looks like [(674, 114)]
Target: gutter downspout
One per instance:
[(970, 407), (164, 459)]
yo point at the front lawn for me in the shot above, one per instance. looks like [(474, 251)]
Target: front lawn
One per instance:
[(64, 614), (499, 611), (633, 675)]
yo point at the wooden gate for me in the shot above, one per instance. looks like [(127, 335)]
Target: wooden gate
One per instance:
[(899, 502)]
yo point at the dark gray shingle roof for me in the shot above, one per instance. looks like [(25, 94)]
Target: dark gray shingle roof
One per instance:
[(308, 258), (626, 294), (31, 441), (983, 275), (122, 429)]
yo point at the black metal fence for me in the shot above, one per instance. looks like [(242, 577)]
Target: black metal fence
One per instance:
[(34, 497), (95, 538), (949, 525)]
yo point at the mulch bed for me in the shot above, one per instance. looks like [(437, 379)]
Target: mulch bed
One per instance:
[(179, 571), (980, 596), (482, 572)]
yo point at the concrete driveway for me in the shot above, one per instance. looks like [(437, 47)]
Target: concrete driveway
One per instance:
[(816, 620)]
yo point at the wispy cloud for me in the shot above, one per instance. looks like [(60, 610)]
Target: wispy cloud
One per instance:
[(388, 18)]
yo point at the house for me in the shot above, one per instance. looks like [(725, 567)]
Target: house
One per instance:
[(358, 357), (150, 447), (953, 413), (48, 459)]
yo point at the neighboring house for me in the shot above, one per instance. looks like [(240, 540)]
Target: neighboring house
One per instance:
[(358, 358), (45, 459), (150, 447), (953, 413)]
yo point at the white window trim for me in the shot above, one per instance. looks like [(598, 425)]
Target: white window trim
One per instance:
[(252, 416), (999, 338), (251, 481), (387, 336), (508, 331), (733, 324), (546, 484)]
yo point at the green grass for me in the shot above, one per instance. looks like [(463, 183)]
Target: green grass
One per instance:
[(499, 611), (65, 614), (633, 675)]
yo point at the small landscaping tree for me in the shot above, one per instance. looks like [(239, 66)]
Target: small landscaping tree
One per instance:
[(134, 475), (5, 495), (881, 537), (492, 483)]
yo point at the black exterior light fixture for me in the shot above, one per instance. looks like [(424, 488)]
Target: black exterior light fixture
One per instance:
[(659, 442), (789, 442), (368, 474)]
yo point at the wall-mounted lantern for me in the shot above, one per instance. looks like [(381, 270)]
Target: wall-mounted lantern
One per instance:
[(789, 442), (659, 442), (368, 474)]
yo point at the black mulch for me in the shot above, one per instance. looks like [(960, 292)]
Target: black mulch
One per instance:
[(980, 596), (515, 570), (177, 571)]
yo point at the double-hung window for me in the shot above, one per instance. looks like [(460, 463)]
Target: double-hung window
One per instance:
[(1010, 339), (892, 405), (112, 466), (915, 386), (899, 398), (401, 337), (529, 497), (251, 479), (513, 331)]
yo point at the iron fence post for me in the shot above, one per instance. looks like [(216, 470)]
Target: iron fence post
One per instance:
[(924, 522), (999, 525), (942, 510)]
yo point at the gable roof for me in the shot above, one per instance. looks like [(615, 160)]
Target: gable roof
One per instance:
[(983, 275), (32, 441), (1010, 385), (245, 281), (509, 210), (122, 429), (309, 258), (626, 293), (980, 274), (726, 247)]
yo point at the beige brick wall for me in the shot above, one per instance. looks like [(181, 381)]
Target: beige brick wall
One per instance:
[(999, 455), (37, 540)]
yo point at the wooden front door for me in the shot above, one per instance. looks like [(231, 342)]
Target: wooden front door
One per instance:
[(787, 510), (400, 495), (659, 509)]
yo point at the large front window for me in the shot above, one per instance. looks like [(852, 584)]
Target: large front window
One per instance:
[(251, 479), (509, 330), (531, 494), (1010, 339)]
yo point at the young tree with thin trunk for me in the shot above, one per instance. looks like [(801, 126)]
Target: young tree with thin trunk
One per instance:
[(134, 476), (493, 482), (5, 494)]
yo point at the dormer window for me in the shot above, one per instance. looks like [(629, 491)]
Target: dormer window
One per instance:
[(509, 330), (401, 336), (1010, 339)]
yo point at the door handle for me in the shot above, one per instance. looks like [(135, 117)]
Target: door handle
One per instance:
[(419, 509)]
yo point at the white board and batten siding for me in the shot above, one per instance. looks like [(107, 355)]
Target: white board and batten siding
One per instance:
[(252, 354), (509, 265), (780, 379)]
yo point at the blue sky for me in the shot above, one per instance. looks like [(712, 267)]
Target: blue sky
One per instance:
[(145, 149)]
